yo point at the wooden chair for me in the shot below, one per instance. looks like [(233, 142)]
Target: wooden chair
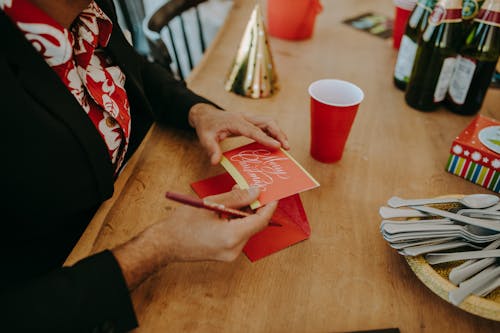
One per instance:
[(133, 14), (163, 19)]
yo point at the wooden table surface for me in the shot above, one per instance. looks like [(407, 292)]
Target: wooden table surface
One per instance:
[(345, 277)]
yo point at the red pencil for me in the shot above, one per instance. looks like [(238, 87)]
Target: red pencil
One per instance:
[(205, 204)]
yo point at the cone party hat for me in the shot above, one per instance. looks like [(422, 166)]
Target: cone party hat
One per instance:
[(252, 73)]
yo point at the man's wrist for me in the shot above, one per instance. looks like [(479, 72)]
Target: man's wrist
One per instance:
[(140, 257)]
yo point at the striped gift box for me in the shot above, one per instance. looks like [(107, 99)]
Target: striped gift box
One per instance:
[(475, 153)]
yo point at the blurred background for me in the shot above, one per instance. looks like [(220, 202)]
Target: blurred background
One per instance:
[(134, 13)]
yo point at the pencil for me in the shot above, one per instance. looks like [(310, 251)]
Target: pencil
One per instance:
[(205, 204)]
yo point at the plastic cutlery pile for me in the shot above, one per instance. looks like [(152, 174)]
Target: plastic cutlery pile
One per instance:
[(471, 234)]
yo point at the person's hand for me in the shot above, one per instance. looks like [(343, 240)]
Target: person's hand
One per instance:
[(192, 234), (213, 125)]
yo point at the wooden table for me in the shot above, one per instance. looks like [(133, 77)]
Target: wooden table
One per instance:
[(345, 277)]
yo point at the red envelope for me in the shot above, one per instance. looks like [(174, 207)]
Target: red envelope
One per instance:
[(289, 213)]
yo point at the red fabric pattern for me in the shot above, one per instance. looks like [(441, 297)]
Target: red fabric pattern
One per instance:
[(78, 58)]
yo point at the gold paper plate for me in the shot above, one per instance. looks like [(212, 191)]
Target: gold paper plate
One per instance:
[(436, 279)]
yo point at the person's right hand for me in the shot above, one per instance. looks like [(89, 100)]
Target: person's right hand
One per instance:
[(213, 126), (192, 234)]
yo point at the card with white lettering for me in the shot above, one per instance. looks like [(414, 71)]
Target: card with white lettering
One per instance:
[(375, 24), (275, 172)]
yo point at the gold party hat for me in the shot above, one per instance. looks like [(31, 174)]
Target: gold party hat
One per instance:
[(252, 72)]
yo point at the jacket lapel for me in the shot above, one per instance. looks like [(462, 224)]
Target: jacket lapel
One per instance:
[(47, 89), (131, 63), (123, 55)]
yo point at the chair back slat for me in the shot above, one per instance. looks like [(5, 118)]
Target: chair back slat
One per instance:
[(186, 43), (176, 54), (163, 18), (200, 29)]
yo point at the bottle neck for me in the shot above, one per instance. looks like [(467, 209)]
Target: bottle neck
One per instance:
[(489, 13), (428, 5), (421, 13), (446, 11), (470, 9)]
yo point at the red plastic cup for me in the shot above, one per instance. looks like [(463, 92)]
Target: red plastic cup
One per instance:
[(334, 104), (400, 20), (292, 19)]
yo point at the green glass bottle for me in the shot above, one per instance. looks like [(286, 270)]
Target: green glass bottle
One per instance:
[(417, 22), (435, 58), (476, 62)]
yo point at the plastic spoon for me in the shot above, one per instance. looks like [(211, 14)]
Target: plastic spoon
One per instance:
[(416, 222), (431, 241), (422, 249), (398, 231), (471, 201), (480, 213), (488, 224), (390, 213), (471, 267), (488, 288), (439, 258), (486, 277), (470, 270)]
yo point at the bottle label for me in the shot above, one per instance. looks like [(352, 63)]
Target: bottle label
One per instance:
[(444, 79), (406, 58), (470, 9), (461, 79), (446, 12), (490, 14)]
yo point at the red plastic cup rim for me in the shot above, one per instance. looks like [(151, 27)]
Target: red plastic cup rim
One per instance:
[(405, 4), (336, 92)]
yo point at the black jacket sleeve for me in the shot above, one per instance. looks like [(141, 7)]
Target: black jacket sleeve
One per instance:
[(90, 296), (170, 99), (55, 174)]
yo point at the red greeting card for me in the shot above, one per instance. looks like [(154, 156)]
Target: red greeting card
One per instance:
[(275, 172), (290, 216)]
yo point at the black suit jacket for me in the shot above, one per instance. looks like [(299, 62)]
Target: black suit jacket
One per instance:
[(55, 173)]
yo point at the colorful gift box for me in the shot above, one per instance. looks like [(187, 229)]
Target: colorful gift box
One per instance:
[(475, 153)]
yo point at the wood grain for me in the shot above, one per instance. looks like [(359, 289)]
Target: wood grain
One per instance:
[(345, 277)]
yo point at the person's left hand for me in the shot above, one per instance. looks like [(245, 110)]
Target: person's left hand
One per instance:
[(213, 125)]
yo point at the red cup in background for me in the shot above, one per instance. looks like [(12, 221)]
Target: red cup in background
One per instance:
[(292, 19), (334, 104), (403, 11), (400, 21)]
